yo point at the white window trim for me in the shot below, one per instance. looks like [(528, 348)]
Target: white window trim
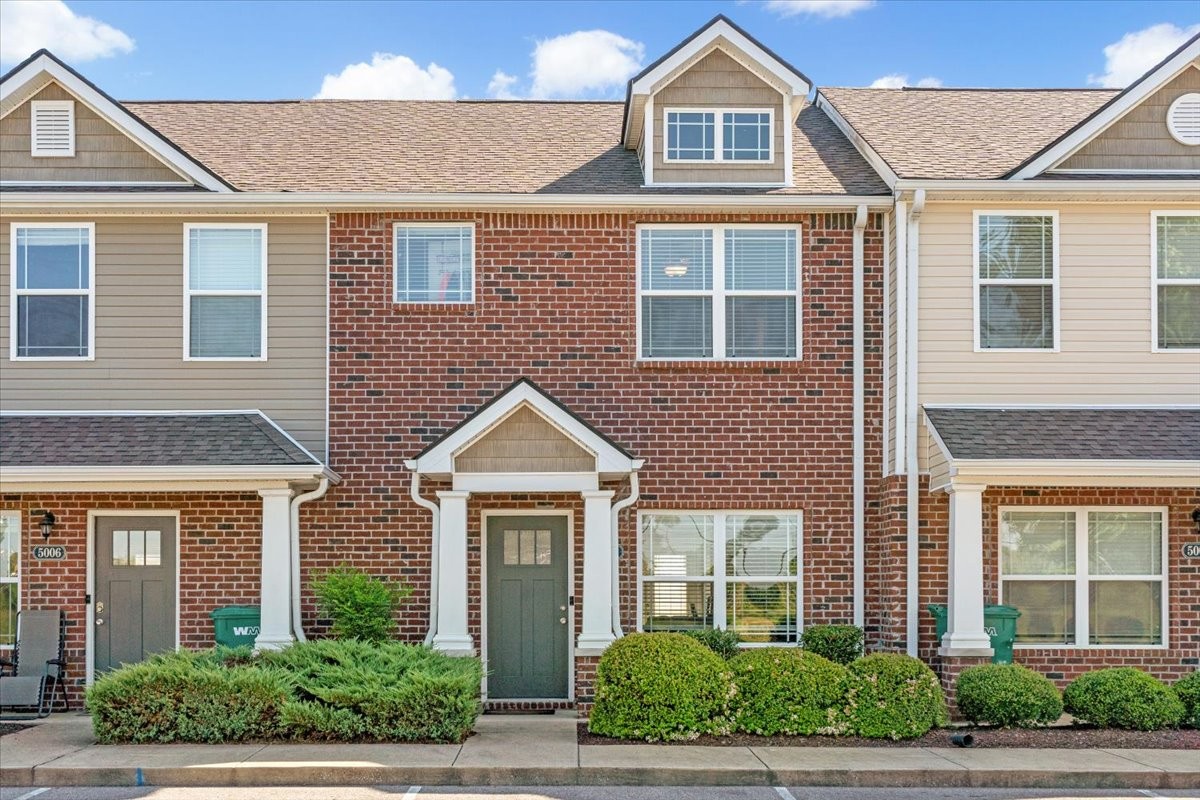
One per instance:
[(718, 135), (396, 226), (1156, 281), (34, 105), (188, 292), (719, 580), (977, 282), (719, 292), (14, 517), (1081, 578), (14, 292)]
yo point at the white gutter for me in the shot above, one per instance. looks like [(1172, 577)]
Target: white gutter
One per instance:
[(618, 507), (297, 501), (859, 450), (901, 402), (1171, 185), (102, 474), (436, 512), (34, 201), (913, 478)]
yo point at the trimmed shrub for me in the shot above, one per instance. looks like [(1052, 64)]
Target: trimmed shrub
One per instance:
[(360, 606), (723, 643), (660, 686), (322, 690), (1187, 689), (841, 644), (893, 696), (1123, 697), (1009, 695), (787, 691)]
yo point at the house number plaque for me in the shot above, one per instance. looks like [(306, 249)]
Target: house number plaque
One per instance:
[(45, 552), (1191, 550)]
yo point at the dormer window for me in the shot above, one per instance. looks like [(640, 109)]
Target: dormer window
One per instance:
[(741, 135), (52, 128)]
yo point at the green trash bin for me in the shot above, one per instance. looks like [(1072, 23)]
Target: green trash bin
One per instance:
[(1000, 622), (235, 626)]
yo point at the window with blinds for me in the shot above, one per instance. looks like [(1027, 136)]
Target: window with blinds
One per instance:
[(434, 263), (52, 128), (53, 279), (1175, 295), (1016, 281), (1084, 576), (225, 274), (718, 292)]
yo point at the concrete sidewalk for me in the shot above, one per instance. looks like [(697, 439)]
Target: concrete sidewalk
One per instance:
[(542, 750)]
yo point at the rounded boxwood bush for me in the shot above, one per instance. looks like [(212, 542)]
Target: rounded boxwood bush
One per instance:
[(787, 691), (1123, 697), (660, 686), (1187, 689), (893, 696), (1008, 695), (839, 643)]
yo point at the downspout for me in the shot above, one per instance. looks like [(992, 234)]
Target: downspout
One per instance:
[(617, 508), (297, 501), (913, 480), (859, 451), (415, 492)]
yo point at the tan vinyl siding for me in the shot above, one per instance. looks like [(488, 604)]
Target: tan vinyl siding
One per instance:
[(935, 460), (102, 153), (139, 332), (1104, 287), (1140, 140), (525, 442), (718, 81)]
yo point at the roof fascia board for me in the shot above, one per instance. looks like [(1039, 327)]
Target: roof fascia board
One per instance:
[(877, 162), (130, 474), (1073, 472), (1109, 113), (1172, 186), (14, 202), (115, 113), (758, 69)]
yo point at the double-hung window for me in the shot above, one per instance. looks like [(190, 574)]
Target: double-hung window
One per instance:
[(718, 292), (737, 571), (225, 292), (53, 278), (10, 576), (1016, 280), (1085, 576), (697, 134), (434, 262), (1175, 280)]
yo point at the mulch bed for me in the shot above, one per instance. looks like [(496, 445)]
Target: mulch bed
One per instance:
[(10, 727), (1075, 737)]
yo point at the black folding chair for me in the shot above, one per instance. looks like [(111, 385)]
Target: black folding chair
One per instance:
[(33, 679)]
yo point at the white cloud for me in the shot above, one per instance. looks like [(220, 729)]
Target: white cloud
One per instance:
[(899, 81), (584, 62), (818, 8), (29, 25), (1131, 56), (500, 86), (389, 77)]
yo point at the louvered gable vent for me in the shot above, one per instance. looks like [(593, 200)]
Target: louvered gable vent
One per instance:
[(1183, 118), (52, 128)]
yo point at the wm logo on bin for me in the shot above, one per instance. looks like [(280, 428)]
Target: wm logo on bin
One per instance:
[(245, 630)]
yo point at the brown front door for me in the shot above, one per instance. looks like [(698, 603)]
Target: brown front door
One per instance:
[(135, 589)]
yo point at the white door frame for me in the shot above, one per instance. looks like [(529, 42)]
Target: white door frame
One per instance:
[(89, 611), (483, 592)]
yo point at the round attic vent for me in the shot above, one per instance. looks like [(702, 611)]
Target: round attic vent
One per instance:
[(1183, 118)]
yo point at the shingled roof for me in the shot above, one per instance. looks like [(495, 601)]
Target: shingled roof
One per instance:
[(459, 146), (147, 440), (1152, 434), (962, 133)]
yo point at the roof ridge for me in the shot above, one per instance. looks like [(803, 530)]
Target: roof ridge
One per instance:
[(970, 88), (331, 100)]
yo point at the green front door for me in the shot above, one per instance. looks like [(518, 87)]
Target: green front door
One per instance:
[(527, 608)]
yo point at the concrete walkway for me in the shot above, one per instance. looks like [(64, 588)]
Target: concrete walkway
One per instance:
[(542, 750)]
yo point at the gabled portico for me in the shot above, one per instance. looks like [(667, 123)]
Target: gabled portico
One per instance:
[(523, 441)]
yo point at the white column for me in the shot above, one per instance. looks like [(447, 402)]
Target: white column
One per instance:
[(452, 635), (597, 632), (275, 599), (965, 635)]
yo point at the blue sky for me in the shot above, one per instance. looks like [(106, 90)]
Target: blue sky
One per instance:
[(269, 50)]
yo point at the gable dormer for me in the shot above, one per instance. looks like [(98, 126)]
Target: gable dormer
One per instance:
[(719, 110), (58, 130)]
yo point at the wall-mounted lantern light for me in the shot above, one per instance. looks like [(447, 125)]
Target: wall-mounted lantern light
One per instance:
[(1196, 518), (47, 525)]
